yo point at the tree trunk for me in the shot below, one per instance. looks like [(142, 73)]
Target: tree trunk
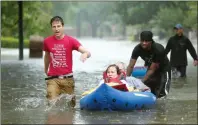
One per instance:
[(94, 30), (124, 31), (78, 25)]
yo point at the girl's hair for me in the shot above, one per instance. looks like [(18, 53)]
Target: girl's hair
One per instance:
[(114, 65)]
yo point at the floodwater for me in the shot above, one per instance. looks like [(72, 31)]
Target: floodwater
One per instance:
[(23, 90)]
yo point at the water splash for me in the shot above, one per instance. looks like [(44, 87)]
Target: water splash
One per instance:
[(175, 73), (28, 103), (61, 102)]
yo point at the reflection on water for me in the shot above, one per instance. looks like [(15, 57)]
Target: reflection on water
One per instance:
[(23, 91), (60, 117)]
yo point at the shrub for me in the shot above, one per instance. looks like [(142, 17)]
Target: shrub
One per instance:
[(10, 42)]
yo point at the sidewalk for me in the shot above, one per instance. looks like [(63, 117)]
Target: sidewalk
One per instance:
[(13, 54)]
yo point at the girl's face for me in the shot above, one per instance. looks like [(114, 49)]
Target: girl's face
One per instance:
[(112, 72)]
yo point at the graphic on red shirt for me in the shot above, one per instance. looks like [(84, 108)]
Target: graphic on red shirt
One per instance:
[(59, 56)]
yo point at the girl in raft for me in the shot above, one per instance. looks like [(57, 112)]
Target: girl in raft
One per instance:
[(113, 76)]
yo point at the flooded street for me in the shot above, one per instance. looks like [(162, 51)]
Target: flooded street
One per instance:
[(23, 90)]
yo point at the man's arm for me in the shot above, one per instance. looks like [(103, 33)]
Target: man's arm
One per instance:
[(85, 53), (151, 70), (130, 67), (191, 50), (158, 58), (46, 61), (133, 59)]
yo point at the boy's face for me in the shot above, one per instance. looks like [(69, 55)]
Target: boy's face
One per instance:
[(57, 28), (112, 72)]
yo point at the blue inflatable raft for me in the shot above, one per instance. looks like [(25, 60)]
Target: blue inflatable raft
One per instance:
[(139, 71), (108, 98)]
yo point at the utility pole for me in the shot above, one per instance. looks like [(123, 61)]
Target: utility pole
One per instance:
[(20, 27)]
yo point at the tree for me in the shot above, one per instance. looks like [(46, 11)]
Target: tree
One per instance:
[(122, 8), (63, 9), (167, 17), (191, 20), (143, 12), (36, 17), (96, 12), (9, 18)]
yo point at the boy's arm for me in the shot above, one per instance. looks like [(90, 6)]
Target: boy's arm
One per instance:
[(46, 61), (85, 53)]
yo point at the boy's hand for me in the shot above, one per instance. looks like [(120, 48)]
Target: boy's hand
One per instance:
[(83, 57)]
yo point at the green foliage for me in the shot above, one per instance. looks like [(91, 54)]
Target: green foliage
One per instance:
[(158, 14), (123, 9), (71, 13), (191, 16), (61, 8), (36, 16), (166, 19), (138, 15), (9, 18), (11, 42), (95, 13), (133, 12), (146, 14)]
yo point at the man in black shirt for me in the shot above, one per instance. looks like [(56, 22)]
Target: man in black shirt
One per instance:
[(158, 76), (178, 45)]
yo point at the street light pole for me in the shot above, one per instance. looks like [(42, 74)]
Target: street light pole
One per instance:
[(20, 27)]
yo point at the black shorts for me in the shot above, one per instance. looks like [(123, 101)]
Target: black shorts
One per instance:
[(160, 84)]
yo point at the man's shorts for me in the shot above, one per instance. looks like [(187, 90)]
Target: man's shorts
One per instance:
[(58, 86)]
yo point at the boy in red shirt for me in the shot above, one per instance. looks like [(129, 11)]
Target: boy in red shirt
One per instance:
[(58, 60)]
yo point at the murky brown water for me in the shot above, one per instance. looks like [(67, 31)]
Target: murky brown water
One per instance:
[(23, 91)]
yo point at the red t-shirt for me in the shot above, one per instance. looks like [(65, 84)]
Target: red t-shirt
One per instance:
[(60, 54)]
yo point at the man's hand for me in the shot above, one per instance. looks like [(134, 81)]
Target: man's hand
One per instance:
[(150, 71), (195, 63)]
